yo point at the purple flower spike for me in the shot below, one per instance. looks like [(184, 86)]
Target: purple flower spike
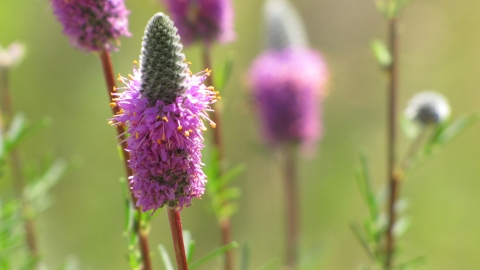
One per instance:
[(287, 86), (288, 79), (163, 108), (204, 20), (165, 143), (92, 25)]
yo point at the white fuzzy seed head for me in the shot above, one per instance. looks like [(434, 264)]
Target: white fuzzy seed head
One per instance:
[(428, 107)]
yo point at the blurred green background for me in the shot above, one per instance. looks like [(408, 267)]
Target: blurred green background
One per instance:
[(439, 42)]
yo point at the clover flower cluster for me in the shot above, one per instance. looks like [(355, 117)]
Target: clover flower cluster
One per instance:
[(163, 108), (204, 20), (92, 25), (286, 88), (287, 79), (165, 142)]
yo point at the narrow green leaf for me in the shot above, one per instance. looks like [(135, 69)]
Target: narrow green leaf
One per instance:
[(245, 258), (357, 231), (189, 244), (167, 263), (214, 254), (2, 145), (47, 180), (456, 128), (381, 53), (223, 75), (411, 264), (366, 184), (409, 128), (233, 173), (129, 209), (20, 131)]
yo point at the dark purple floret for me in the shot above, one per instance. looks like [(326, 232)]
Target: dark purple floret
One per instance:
[(92, 25), (204, 20), (287, 86)]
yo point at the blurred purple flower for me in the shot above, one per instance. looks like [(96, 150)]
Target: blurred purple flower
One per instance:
[(92, 25), (165, 142), (204, 20), (287, 86)]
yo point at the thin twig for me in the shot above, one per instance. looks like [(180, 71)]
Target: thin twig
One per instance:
[(177, 237), (111, 88), (394, 178), (225, 224), (292, 205), (18, 179)]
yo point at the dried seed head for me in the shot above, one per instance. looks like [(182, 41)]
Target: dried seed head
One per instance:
[(428, 108)]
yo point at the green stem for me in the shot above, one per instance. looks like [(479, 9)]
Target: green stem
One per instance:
[(225, 224), (140, 230), (292, 205), (16, 166)]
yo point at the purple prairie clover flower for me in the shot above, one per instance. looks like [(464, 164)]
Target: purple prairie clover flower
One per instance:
[(92, 25), (163, 108), (287, 87), (204, 20), (165, 142)]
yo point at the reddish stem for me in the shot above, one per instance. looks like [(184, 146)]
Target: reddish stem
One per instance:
[(111, 88), (394, 179), (177, 237), (292, 206), (225, 224)]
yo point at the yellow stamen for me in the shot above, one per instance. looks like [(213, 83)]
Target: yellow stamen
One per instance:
[(179, 128), (130, 76), (113, 104), (134, 113), (135, 62), (163, 136), (159, 141), (165, 119), (187, 133), (213, 125), (136, 135), (114, 88)]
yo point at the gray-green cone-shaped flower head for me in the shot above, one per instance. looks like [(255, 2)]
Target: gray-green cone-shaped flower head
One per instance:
[(162, 65), (284, 26)]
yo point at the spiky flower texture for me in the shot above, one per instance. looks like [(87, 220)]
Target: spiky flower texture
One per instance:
[(204, 20), (163, 108), (92, 25)]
